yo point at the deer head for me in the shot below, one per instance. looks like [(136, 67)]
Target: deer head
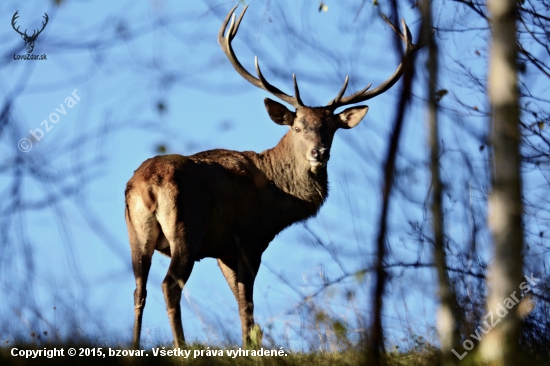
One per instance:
[(29, 40), (312, 128)]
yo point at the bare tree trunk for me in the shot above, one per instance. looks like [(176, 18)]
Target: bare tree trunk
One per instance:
[(446, 321), (376, 328), (499, 346)]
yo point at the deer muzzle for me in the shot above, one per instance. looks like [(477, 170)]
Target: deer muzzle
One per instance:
[(318, 157)]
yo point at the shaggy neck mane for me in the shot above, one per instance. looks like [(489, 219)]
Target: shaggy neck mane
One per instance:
[(292, 173)]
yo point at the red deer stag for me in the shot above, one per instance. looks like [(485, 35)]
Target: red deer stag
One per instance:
[(229, 205)]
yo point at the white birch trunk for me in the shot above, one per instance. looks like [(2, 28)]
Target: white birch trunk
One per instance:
[(498, 347)]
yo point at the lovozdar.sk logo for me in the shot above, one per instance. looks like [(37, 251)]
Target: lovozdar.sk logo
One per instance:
[(29, 39)]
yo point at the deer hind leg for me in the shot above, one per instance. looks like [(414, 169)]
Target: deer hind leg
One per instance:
[(240, 275), (172, 286), (144, 231), (184, 235)]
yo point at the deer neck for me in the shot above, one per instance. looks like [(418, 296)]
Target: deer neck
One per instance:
[(293, 174)]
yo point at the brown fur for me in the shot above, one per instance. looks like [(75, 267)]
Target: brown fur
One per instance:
[(227, 205)]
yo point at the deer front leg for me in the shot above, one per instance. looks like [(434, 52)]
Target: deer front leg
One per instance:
[(240, 277), (246, 274)]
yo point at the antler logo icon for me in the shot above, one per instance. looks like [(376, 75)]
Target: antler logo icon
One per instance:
[(29, 40)]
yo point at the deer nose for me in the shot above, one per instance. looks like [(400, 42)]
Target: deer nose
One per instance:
[(318, 153)]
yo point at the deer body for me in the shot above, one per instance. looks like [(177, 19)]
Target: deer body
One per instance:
[(233, 195), (229, 205)]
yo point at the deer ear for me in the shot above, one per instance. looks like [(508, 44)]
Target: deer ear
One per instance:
[(279, 113), (352, 116)]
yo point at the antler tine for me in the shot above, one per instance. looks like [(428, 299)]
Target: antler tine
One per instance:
[(260, 81), (295, 101), (234, 32), (362, 95), (297, 91), (393, 25), (336, 101), (341, 93), (224, 25)]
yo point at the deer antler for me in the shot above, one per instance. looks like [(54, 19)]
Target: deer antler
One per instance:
[(363, 95), (260, 81)]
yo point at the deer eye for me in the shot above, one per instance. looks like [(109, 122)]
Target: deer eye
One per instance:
[(297, 129)]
